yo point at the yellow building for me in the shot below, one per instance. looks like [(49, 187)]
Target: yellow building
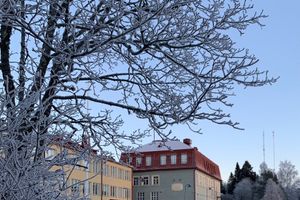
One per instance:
[(86, 179)]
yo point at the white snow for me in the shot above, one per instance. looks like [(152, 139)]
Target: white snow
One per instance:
[(159, 145)]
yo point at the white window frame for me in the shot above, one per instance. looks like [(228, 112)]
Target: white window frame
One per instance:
[(184, 158), (152, 180), (154, 195), (163, 160), (148, 161), (143, 178), (141, 196), (173, 161)]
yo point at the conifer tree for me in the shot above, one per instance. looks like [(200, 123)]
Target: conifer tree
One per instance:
[(237, 172), (247, 172), (231, 183)]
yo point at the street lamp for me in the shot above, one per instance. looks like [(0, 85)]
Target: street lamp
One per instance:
[(185, 187)]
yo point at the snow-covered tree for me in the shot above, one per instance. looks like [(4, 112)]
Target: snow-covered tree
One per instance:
[(243, 190), (267, 173), (166, 62), (287, 174), (273, 191), (288, 179), (263, 167), (260, 185)]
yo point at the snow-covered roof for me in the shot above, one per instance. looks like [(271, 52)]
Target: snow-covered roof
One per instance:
[(158, 145)]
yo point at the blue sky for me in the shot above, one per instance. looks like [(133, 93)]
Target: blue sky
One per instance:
[(271, 108)]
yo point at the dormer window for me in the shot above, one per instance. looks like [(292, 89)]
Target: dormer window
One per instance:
[(183, 158)]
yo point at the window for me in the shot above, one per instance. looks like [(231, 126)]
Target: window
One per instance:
[(130, 160), (90, 188), (148, 161), (105, 170), (96, 188), (154, 196), (81, 188), (113, 191), (127, 177), (105, 190), (138, 161), (145, 180), (140, 196), (126, 193), (183, 158), (96, 166), (120, 173), (75, 186), (155, 180), (163, 159), (173, 159), (135, 181)]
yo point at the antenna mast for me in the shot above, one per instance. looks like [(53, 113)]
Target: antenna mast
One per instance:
[(264, 150), (273, 150)]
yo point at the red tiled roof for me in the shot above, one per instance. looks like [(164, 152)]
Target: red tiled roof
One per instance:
[(197, 159), (205, 165)]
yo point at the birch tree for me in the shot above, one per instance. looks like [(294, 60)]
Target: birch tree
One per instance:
[(167, 62), (288, 179)]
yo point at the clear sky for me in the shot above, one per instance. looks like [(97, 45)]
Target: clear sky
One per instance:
[(271, 108)]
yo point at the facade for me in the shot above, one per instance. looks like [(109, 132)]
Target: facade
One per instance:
[(173, 170), (86, 179)]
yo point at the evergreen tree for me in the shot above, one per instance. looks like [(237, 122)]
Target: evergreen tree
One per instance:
[(269, 175), (223, 188), (231, 184), (247, 172), (237, 173)]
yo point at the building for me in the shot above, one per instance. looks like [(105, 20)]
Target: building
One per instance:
[(93, 177), (173, 170)]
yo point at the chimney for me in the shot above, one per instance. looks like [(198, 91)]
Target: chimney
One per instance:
[(85, 141), (187, 141)]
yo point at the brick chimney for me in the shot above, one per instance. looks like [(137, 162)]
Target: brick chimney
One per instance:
[(187, 141), (85, 142)]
